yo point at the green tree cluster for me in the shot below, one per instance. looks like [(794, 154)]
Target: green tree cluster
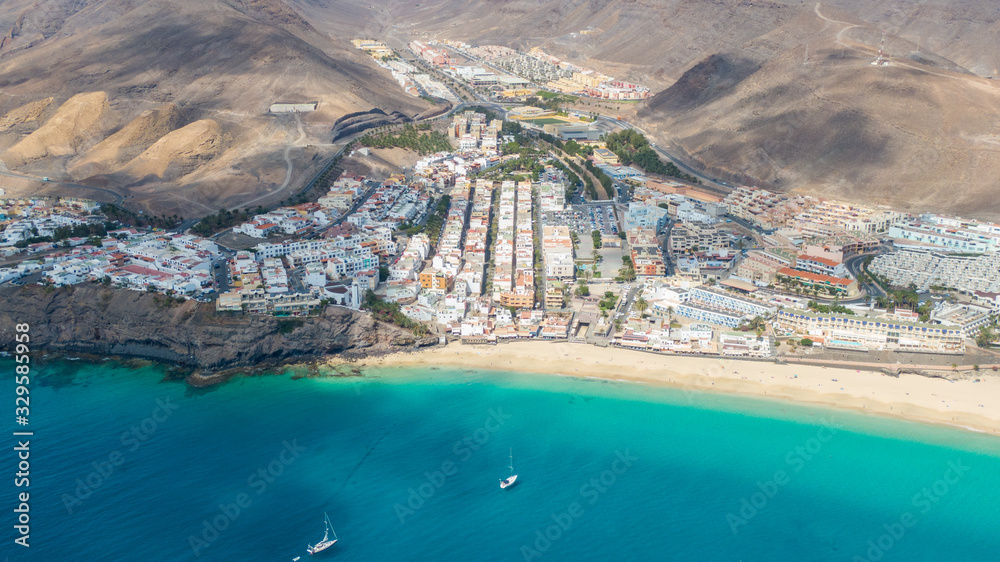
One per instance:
[(125, 217), (432, 227), (608, 302), (605, 179), (410, 138), (224, 219), (632, 148), (828, 308), (588, 184), (986, 337), (387, 311)]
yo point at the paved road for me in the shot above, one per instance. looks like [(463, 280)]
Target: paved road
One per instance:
[(853, 265)]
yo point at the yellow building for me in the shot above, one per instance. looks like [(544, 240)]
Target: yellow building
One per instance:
[(553, 298), (433, 279), (524, 299), (517, 93), (603, 155)]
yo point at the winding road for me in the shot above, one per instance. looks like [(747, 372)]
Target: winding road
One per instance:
[(854, 265), (290, 167)]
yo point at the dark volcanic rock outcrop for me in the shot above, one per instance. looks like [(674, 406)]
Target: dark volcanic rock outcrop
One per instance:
[(102, 321)]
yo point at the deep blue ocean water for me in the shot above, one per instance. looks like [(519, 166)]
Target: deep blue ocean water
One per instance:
[(126, 466)]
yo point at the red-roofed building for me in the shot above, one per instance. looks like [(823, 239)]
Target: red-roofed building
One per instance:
[(117, 259), (843, 286), (139, 270), (821, 265)]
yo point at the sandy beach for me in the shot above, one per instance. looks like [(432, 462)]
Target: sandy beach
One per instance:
[(961, 402)]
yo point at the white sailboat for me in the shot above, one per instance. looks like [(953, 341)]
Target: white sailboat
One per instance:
[(327, 542), (510, 480)]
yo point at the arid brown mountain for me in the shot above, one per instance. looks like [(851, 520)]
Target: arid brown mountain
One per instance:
[(779, 93), (660, 39), (774, 92), (166, 100), (919, 133)]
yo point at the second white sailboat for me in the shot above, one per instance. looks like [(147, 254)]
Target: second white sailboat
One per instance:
[(510, 480)]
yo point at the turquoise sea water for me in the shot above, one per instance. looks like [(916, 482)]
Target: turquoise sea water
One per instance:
[(126, 466)]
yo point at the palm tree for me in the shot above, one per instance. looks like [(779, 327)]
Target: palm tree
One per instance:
[(641, 305)]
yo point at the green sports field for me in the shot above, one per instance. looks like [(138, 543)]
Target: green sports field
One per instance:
[(545, 121)]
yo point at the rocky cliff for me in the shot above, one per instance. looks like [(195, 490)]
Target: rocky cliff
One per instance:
[(103, 321)]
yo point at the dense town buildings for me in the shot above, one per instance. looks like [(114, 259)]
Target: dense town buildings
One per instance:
[(500, 260), (765, 209)]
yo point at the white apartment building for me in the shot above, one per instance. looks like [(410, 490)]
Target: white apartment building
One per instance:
[(925, 268), (557, 247), (969, 318), (820, 265), (854, 332), (939, 233), (744, 344)]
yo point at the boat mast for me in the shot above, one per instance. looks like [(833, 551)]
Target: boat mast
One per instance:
[(330, 525)]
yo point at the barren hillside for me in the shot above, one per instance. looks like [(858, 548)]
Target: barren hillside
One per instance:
[(167, 100), (913, 134), (775, 92), (82, 118), (116, 150)]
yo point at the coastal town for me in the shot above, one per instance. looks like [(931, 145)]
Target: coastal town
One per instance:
[(505, 236), (501, 280)]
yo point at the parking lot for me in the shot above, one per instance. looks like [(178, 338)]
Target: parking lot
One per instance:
[(598, 217), (569, 218), (584, 219)]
